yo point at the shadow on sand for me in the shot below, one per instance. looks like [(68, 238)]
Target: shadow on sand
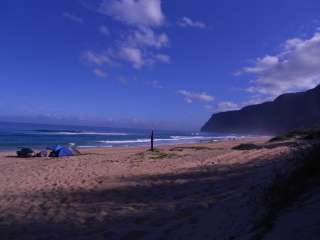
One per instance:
[(197, 204)]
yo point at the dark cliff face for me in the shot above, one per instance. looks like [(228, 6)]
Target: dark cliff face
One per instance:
[(287, 112)]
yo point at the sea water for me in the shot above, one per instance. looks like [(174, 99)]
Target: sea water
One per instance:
[(38, 136)]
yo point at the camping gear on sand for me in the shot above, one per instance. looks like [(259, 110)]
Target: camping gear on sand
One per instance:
[(61, 151), (25, 152), (42, 153)]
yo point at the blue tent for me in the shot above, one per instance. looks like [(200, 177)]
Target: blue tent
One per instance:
[(60, 151)]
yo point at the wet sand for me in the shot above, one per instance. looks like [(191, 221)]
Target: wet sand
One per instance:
[(194, 191)]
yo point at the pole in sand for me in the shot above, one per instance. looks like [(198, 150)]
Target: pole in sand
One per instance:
[(151, 140)]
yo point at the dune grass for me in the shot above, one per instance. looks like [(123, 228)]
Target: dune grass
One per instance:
[(288, 185), (156, 154), (196, 148), (306, 134)]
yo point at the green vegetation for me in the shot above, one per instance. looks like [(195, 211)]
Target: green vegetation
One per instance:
[(197, 148), (288, 185), (162, 155), (247, 146), (155, 154), (304, 134)]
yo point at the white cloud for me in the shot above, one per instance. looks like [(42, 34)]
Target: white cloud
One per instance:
[(263, 64), (139, 13), (223, 106), (188, 22), (227, 106), (104, 30), (295, 68), (99, 72), (72, 17), (137, 47), (114, 57), (97, 58), (144, 44), (194, 96), (162, 58), (146, 37), (139, 44), (132, 55)]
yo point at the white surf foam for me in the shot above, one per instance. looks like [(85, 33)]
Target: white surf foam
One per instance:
[(84, 133), (147, 140)]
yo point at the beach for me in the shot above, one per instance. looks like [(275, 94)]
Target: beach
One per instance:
[(191, 191)]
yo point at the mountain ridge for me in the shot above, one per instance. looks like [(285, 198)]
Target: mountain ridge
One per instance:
[(286, 112)]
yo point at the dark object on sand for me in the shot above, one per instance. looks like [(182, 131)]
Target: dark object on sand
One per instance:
[(42, 153), (247, 146), (151, 141), (25, 153), (61, 151)]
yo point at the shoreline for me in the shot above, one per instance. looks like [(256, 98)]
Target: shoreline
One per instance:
[(146, 145)]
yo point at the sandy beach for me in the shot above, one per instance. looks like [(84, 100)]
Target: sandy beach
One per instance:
[(194, 191)]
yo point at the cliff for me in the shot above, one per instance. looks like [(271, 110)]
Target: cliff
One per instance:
[(288, 111)]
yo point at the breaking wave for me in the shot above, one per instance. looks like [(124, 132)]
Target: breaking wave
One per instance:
[(67, 132)]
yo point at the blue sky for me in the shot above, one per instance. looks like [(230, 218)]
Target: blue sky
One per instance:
[(152, 63)]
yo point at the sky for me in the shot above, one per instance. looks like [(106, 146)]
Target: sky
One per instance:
[(166, 64)]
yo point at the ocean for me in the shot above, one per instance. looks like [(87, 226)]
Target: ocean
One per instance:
[(39, 136)]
